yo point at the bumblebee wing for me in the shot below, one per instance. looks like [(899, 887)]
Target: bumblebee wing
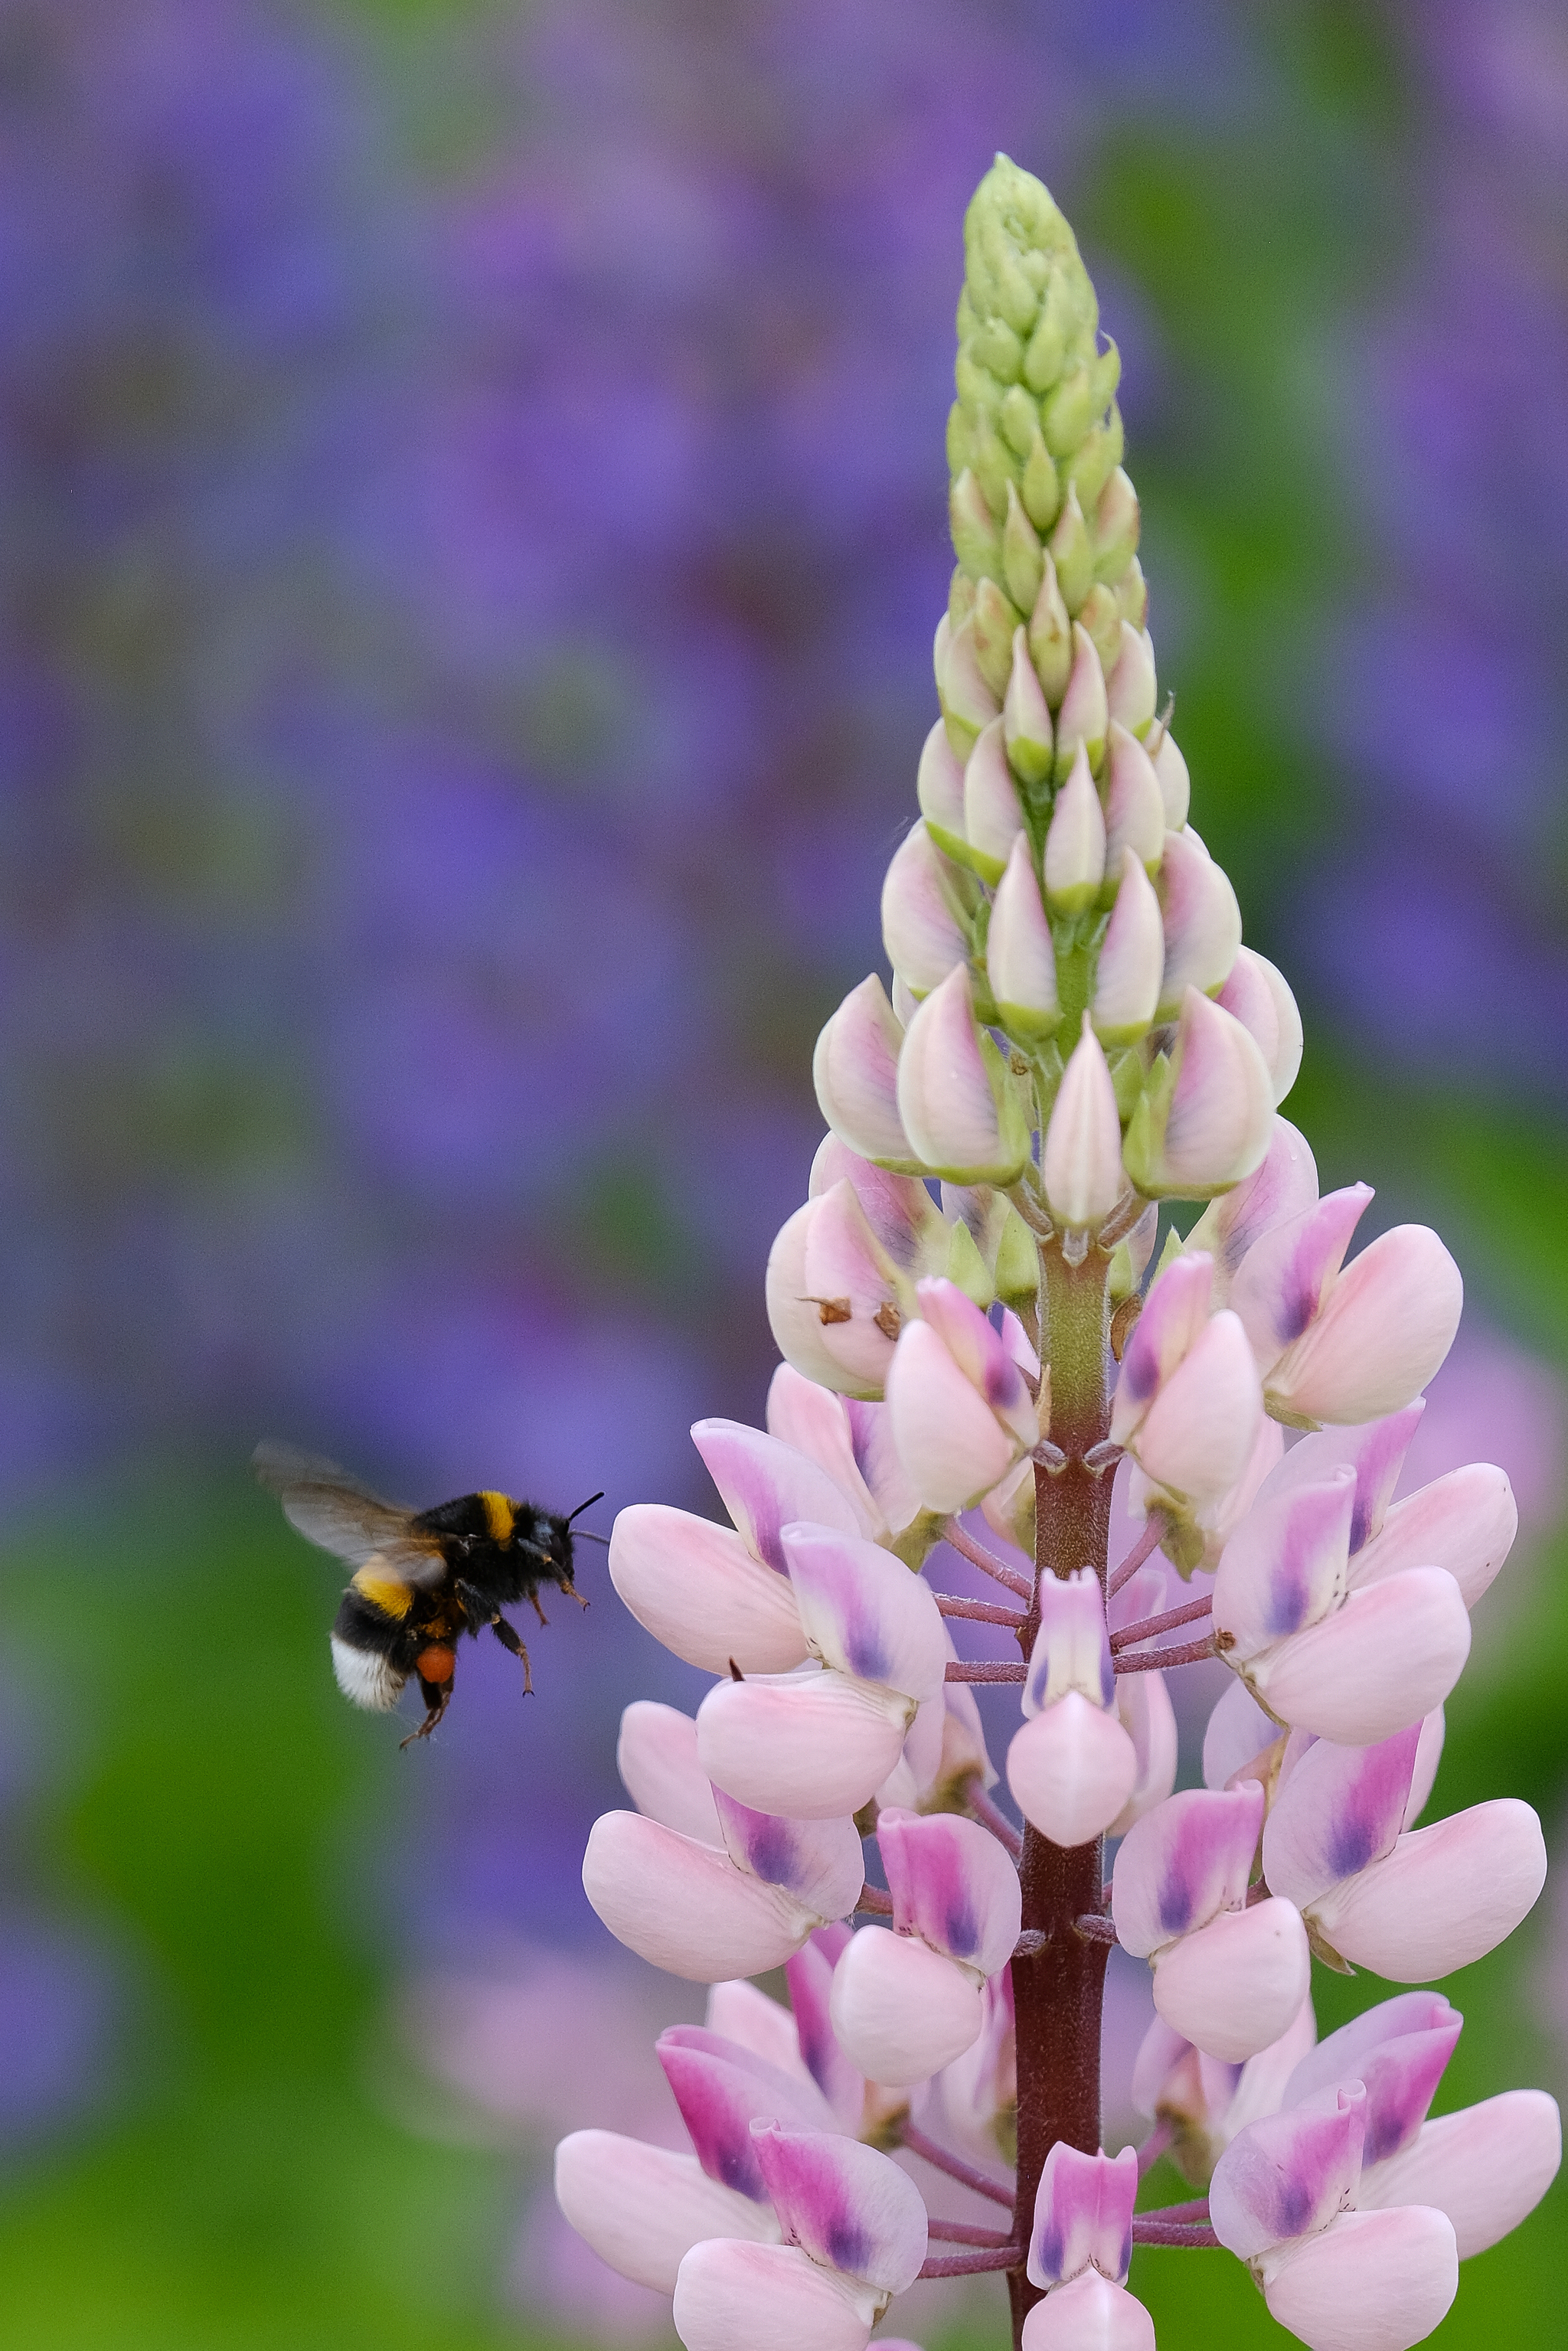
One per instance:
[(332, 1509)]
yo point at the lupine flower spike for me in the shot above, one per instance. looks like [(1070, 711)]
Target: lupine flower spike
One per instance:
[(1069, 1031)]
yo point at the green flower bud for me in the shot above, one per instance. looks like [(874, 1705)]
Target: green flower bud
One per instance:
[(1071, 551), (997, 350), (1099, 455), (967, 1268), (1042, 490), (996, 618), (1132, 595), (1019, 420), (1026, 719), (1106, 373), (1098, 615), (960, 446), (1023, 560), (1050, 635), (976, 542), (960, 597), (967, 701), (1117, 522), (1018, 1263), (1067, 413), (993, 466)]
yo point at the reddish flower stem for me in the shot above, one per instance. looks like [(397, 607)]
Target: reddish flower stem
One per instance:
[(963, 1670), (1154, 2147), (1152, 2229), (1195, 2208), (987, 1561), (1193, 1655), (1148, 1543), (992, 1817), (1147, 1626), (968, 2175), (873, 1899), (985, 1612), (963, 2233), (941, 2266)]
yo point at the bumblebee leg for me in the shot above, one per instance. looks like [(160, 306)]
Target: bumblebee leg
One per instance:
[(436, 1697), (538, 1612), (510, 1638), (572, 1593)]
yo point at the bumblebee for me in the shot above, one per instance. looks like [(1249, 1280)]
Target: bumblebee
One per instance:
[(422, 1578)]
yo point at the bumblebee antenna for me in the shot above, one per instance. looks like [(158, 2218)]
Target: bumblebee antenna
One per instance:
[(587, 1506), (582, 1535)]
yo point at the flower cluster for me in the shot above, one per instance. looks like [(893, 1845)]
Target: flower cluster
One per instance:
[(1075, 1033)]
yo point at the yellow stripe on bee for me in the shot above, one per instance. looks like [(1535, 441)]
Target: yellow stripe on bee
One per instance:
[(384, 1592), (500, 1515)]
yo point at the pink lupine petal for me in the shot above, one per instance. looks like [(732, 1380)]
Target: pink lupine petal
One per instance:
[(953, 1884), (871, 1429), (766, 1486), (1081, 720), (810, 1975), (1285, 1567), (1202, 921), (1221, 1111), (863, 1613), (1384, 1328), (964, 1750), (1233, 1987), (1485, 2167), (812, 1747), (981, 1353), (1376, 1454), (1160, 2053), (1144, 1707), (1072, 1648), (1400, 2069), (697, 1589), (1082, 2216), (739, 2011), (1020, 955), (721, 2087), (1372, 2282), (1261, 2087), (856, 1071), (1082, 1160), (1340, 2057), (1175, 785), (919, 929), (848, 2206), (939, 783), (993, 817), (656, 1756), (1428, 1755), (981, 2083), (1075, 841), (769, 2298), (853, 1281), (642, 2208), (1072, 1770), (1285, 1186), (1025, 714), (1339, 1810), (1259, 998), (1183, 1863), (953, 1448), (1238, 1731), (1280, 1285), (1465, 1522), (1383, 1661), (1174, 1317), (903, 1217), (1444, 1896), (1288, 2175), (815, 1862), (795, 1318), (1135, 809), (1217, 1521), (1131, 956), (684, 1907), (1090, 2314), (1199, 1433), (950, 1112), (812, 1420), (1132, 688), (901, 2011)]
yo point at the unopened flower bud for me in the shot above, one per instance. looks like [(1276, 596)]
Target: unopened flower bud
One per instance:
[(1020, 957), (1205, 1118), (1116, 528), (1259, 996), (1026, 717), (1203, 922), (968, 701), (976, 542), (1131, 687), (959, 1107), (1100, 617), (855, 1071), (1174, 783), (996, 618), (993, 818), (1075, 842), (1134, 811), (923, 935), (1022, 556), (939, 786), (1081, 721), (1082, 1160), (1132, 957)]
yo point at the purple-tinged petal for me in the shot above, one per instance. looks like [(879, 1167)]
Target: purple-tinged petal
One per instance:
[(721, 2088), (1376, 1453), (1081, 720), (1201, 1430), (1233, 1987), (1183, 1863), (1399, 2071), (1384, 1328), (1340, 2057), (1082, 2216), (810, 1419), (1288, 2176), (1174, 1317), (766, 1486), (952, 1447), (968, 701), (1261, 2087), (1339, 1810), (953, 1884), (981, 1353), (1020, 957), (811, 1746), (919, 929), (1383, 1661), (1465, 1522), (1485, 2167), (1282, 1283), (1428, 1755), (1072, 1648), (697, 1589), (1075, 843), (980, 2088), (901, 2011), (1072, 1770), (656, 1756), (1176, 785), (1372, 2282), (1082, 1158), (855, 1288), (802, 1325), (1090, 2314), (687, 1908), (769, 2298), (863, 1613), (1285, 1186), (1202, 921), (643, 2207), (871, 1429), (1132, 690), (848, 2206), (810, 1975), (855, 1072), (739, 2011), (812, 1860), (939, 788), (1135, 809), (957, 1106), (1259, 998), (904, 1218), (1444, 1896), (1238, 1733), (1209, 1122), (1285, 1567), (993, 817), (1146, 1715), (1127, 976)]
